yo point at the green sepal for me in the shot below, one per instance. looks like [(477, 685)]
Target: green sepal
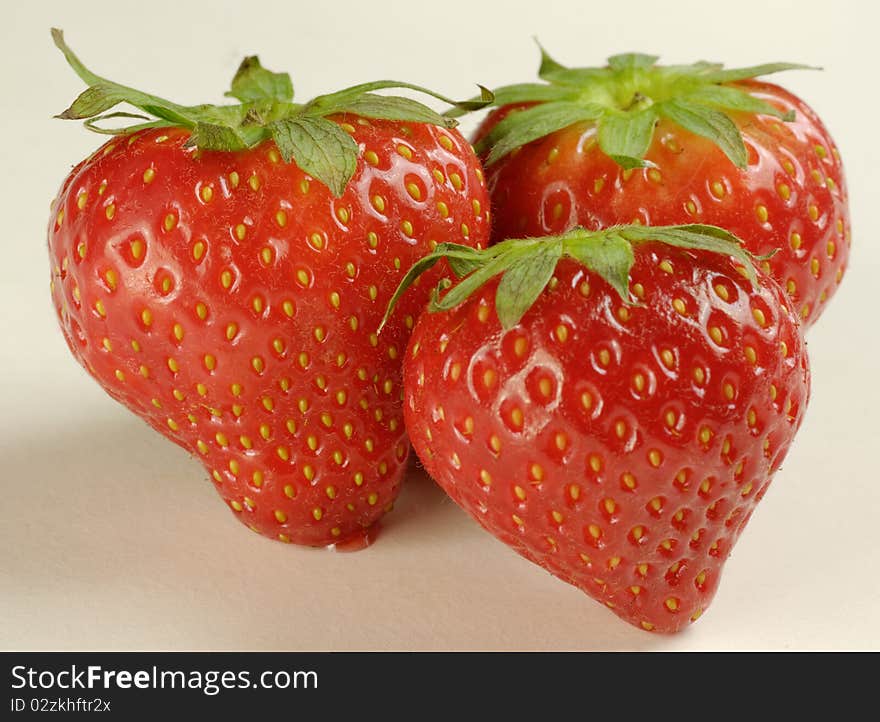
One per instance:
[(524, 281), (554, 72), (253, 82), (526, 265), (320, 148), (708, 123), (732, 75), (92, 123), (211, 136), (340, 101), (626, 137), (610, 255), (463, 258), (520, 93), (385, 107), (697, 236), (730, 97), (524, 126), (266, 111), (625, 91), (631, 61)]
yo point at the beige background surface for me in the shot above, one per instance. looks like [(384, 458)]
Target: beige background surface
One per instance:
[(112, 538)]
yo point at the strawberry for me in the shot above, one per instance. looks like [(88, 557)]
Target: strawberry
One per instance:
[(636, 141), (619, 426), (221, 271)]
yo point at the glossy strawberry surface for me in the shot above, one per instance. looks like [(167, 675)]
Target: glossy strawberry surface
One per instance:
[(232, 301), (790, 199), (621, 447)]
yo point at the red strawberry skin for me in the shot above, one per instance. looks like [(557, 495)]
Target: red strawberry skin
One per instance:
[(792, 196), (622, 448), (231, 301)]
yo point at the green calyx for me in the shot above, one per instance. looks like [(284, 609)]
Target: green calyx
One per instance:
[(526, 265), (265, 111), (626, 99)]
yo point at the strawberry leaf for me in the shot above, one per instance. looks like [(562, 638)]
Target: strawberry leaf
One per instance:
[(371, 105), (526, 265), (695, 236), (301, 132), (524, 281), (320, 148), (93, 101), (631, 61), (253, 82), (733, 74), (626, 137), (609, 255), (709, 123), (211, 136), (627, 96), (733, 98), (473, 282), (524, 126)]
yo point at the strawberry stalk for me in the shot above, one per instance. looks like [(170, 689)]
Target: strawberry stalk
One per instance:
[(265, 111), (526, 265)]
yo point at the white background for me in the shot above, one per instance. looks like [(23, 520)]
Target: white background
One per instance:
[(112, 538)]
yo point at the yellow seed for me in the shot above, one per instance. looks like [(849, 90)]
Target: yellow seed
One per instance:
[(170, 222), (414, 191), (666, 266), (813, 212), (784, 191), (456, 180), (110, 211), (254, 183), (516, 417), (679, 306), (207, 193), (716, 335), (759, 317), (761, 212), (718, 189), (371, 157)]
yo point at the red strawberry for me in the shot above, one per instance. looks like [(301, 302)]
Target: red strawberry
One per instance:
[(231, 298), (622, 446), (639, 142)]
